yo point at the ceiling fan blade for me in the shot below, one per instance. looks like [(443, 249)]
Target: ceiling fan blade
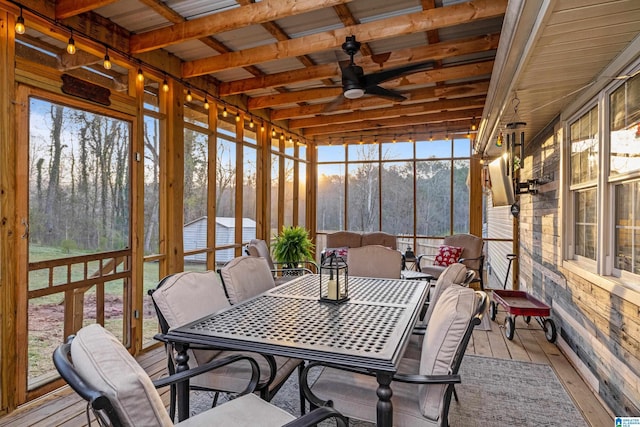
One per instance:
[(382, 76), (335, 104), (384, 93)]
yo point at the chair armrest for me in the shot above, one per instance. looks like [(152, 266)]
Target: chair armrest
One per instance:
[(471, 259), (271, 361), (320, 414), (425, 256), (214, 364), (427, 379)]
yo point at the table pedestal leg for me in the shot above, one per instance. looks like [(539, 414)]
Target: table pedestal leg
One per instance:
[(384, 408), (182, 359)]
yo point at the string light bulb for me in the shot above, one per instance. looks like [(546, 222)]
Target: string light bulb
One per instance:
[(282, 136), (251, 124), (165, 85), (394, 140), (20, 28), (273, 133), (224, 112), (71, 46), (206, 103), (237, 117), (107, 61), (262, 127), (140, 75), (189, 97)]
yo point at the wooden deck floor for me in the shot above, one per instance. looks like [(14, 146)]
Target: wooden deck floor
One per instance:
[(63, 407)]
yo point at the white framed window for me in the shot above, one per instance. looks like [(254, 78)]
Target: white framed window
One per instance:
[(584, 166), (602, 205), (624, 176)]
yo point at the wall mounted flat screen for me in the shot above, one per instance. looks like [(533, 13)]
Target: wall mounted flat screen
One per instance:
[(501, 184)]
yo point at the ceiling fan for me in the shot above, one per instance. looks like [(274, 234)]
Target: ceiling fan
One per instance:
[(356, 84)]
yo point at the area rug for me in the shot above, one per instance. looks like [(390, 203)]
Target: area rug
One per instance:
[(494, 392)]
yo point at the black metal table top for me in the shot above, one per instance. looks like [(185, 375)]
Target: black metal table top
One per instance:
[(369, 331)]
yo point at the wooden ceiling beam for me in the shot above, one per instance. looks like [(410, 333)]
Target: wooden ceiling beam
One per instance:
[(251, 14), (427, 132), (68, 8), (173, 16), (401, 57), (425, 77), (396, 111), (448, 116), (457, 14), (418, 95)]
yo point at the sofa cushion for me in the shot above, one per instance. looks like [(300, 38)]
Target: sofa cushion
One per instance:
[(379, 238), (447, 255), (350, 239)]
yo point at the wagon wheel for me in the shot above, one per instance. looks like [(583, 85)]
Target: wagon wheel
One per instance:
[(527, 319), (509, 328), (550, 331), (493, 310)]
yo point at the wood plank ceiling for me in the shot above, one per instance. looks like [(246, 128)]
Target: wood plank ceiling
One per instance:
[(280, 57)]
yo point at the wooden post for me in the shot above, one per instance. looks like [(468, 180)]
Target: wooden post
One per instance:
[(9, 224)]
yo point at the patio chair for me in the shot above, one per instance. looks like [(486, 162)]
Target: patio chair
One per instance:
[(245, 277), (120, 393), (374, 261), (258, 248), (455, 274), (422, 388), (471, 256), (188, 296)]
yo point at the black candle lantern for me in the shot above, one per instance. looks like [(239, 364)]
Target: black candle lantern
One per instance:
[(334, 278)]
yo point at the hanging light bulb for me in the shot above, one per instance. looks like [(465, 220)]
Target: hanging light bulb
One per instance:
[(282, 136), (189, 97), (431, 136), (273, 133), (361, 141), (251, 124), (165, 85), (206, 103), (237, 117), (140, 75), (107, 61), (290, 139), (20, 28), (473, 124), (394, 140), (224, 112), (262, 127), (71, 46)]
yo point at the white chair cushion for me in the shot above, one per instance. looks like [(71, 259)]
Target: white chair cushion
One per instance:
[(245, 411), (106, 365), (245, 277), (354, 395), (189, 296), (455, 273), (448, 323), (374, 261)]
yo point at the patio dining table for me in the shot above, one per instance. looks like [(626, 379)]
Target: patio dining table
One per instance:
[(370, 331)]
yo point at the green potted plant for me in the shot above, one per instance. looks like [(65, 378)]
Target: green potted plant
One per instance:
[(292, 246)]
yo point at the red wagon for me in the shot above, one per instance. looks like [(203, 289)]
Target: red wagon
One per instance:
[(520, 303)]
